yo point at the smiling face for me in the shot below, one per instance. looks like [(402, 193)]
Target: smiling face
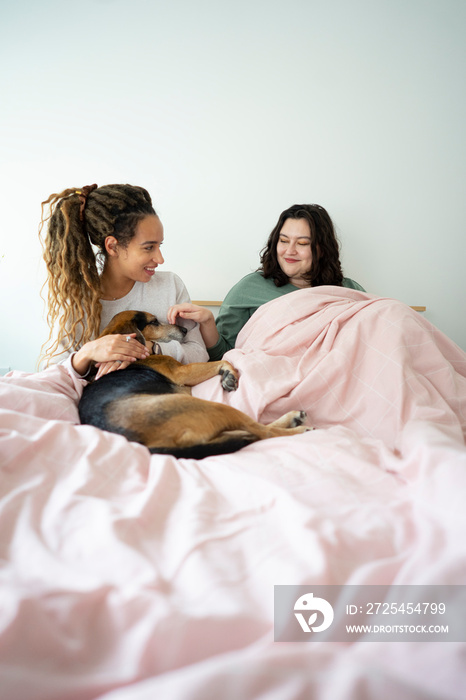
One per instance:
[(139, 260), (294, 253)]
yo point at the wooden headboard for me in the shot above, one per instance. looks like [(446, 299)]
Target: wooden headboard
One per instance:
[(219, 303)]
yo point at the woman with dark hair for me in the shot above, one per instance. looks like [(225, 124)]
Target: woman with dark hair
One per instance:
[(302, 251), (102, 251), (316, 248)]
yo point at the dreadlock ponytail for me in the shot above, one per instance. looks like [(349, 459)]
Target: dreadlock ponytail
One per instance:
[(79, 220)]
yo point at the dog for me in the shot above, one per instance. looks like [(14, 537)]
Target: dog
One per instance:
[(150, 401)]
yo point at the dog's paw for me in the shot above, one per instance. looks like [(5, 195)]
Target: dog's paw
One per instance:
[(229, 380), (297, 418)]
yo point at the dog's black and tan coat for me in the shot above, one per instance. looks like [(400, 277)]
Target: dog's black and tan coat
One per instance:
[(150, 401)]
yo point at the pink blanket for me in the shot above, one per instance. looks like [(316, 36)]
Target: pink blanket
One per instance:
[(126, 576)]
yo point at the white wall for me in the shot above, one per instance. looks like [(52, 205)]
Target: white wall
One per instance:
[(228, 112)]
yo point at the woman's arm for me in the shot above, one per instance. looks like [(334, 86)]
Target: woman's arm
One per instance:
[(240, 303), (192, 348), (219, 336)]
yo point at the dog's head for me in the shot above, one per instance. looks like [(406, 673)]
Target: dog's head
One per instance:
[(146, 326)]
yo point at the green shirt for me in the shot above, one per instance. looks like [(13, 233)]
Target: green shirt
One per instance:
[(242, 301)]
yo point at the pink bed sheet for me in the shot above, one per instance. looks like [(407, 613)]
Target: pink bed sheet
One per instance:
[(126, 576)]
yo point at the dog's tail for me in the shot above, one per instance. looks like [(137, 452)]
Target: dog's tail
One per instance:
[(227, 444)]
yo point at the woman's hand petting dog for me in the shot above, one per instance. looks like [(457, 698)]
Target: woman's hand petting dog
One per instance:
[(204, 317), (110, 353), (199, 314)]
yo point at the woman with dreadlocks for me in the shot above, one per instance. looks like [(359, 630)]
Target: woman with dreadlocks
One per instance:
[(102, 251)]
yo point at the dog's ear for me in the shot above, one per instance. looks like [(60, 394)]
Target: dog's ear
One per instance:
[(139, 336), (128, 322), (140, 320)]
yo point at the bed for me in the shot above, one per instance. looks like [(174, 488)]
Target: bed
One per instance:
[(130, 576)]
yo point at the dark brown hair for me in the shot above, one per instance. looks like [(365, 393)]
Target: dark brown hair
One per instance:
[(79, 221), (325, 249)]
